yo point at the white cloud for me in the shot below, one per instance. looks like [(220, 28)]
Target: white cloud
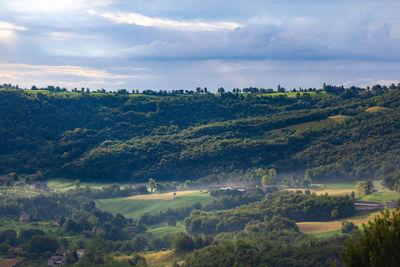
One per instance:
[(144, 21), (92, 84), (131, 68), (65, 70), (52, 6), (9, 26), (62, 36), (297, 38), (364, 82), (8, 31)]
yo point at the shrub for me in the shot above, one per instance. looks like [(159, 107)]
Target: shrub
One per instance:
[(183, 243)]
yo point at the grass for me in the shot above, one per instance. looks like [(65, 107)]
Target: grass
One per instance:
[(332, 192), (167, 196), (321, 229), (163, 258), (376, 109), (327, 234), (288, 94), (59, 183), (134, 208), (10, 262), (325, 227), (17, 192), (62, 184), (339, 118), (159, 259), (381, 196), (335, 189), (343, 185), (34, 262), (310, 124), (162, 229), (71, 93), (17, 226)]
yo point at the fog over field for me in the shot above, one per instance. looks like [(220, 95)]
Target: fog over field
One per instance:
[(189, 133)]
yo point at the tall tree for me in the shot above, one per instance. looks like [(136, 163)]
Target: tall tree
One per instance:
[(40, 244), (269, 178), (152, 184), (365, 187), (377, 244)]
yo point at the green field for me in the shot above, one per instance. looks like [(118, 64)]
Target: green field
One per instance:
[(59, 183), (65, 184), (17, 226), (331, 228), (159, 258), (288, 94), (46, 227), (134, 208), (310, 124), (73, 94), (17, 192), (343, 185), (326, 234), (382, 196), (162, 229)]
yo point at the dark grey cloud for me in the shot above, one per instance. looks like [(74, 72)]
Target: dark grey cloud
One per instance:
[(188, 43), (354, 36)]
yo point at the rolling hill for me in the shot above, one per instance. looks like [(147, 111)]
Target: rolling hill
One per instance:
[(131, 137)]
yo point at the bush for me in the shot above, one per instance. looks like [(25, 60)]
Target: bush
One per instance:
[(183, 243), (171, 220), (137, 260), (41, 244), (377, 244), (348, 227)]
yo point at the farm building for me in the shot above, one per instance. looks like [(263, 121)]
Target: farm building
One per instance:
[(97, 230), (391, 204), (62, 251), (16, 250), (24, 218), (368, 205), (131, 228), (57, 261), (80, 252)]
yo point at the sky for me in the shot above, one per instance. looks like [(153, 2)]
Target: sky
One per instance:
[(167, 45)]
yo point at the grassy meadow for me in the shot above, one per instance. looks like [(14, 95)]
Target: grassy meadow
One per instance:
[(159, 230), (17, 192), (10, 262), (134, 208), (59, 183), (331, 191), (159, 259), (334, 189), (288, 94), (62, 184), (165, 196), (381, 196), (376, 109), (310, 124), (335, 226), (324, 229), (340, 186), (46, 227)]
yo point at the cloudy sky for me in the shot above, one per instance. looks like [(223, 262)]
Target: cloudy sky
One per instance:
[(158, 44)]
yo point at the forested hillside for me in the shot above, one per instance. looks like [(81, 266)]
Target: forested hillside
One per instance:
[(171, 136)]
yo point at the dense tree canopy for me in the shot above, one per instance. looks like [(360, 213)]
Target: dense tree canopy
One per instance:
[(377, 244), (189, 136), (295, 206)]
